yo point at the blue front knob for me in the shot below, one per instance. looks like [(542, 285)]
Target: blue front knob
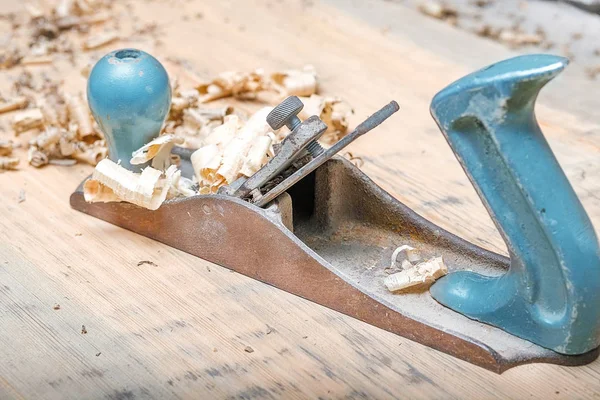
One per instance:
[(129, 94)]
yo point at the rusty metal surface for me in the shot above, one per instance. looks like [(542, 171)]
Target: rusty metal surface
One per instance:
[(345, 228)]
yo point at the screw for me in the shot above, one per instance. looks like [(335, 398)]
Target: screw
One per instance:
[(286, 113)]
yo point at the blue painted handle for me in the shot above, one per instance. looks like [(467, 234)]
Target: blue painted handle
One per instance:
[(129, 94), (551, 293)]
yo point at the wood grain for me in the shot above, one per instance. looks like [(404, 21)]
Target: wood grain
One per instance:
[(179, 328)]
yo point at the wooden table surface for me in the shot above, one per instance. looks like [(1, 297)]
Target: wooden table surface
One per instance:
[(178, 329)]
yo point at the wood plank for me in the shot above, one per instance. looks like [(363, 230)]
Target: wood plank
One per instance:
[(179, 329)]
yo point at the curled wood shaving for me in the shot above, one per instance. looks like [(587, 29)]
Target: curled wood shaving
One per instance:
[(27, 119), (233, 151), (111, 182), (257, 156), (202, 116), (248, 85), (356, 160), (158, 151), (91, 155), (78, 113), (181, 186), (233, 83), (36, 158), (9, 163), (408, 253), (333, 111), (6, 147), (295, 82), (14, 104), (420, 274), (47, 139)]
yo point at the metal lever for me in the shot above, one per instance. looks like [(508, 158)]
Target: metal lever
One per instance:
[(372, 122), (303, 135), (551, 293)]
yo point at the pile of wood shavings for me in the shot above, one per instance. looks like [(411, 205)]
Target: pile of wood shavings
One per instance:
[(192, 119), (38, 38), (59, 124), (56, 126), (237, 149), (64, 131)]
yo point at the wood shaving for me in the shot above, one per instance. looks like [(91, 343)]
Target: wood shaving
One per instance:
[(439, 10), (27, 119), (91, 155), (232, 83), (36, 158), (247, 85), (181, 186), (9, 163), (158, 151), (111, 182), (15, 104), (334, 112), (232, 151), (420, 274), (295, 82), (517, 39), (78, 113), (356, 160), (37, 60), (22, 196), (407, 252), (258, 155), (6, 147), (46, 139)]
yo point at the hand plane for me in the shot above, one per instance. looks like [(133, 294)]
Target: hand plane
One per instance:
[(311, 223)]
